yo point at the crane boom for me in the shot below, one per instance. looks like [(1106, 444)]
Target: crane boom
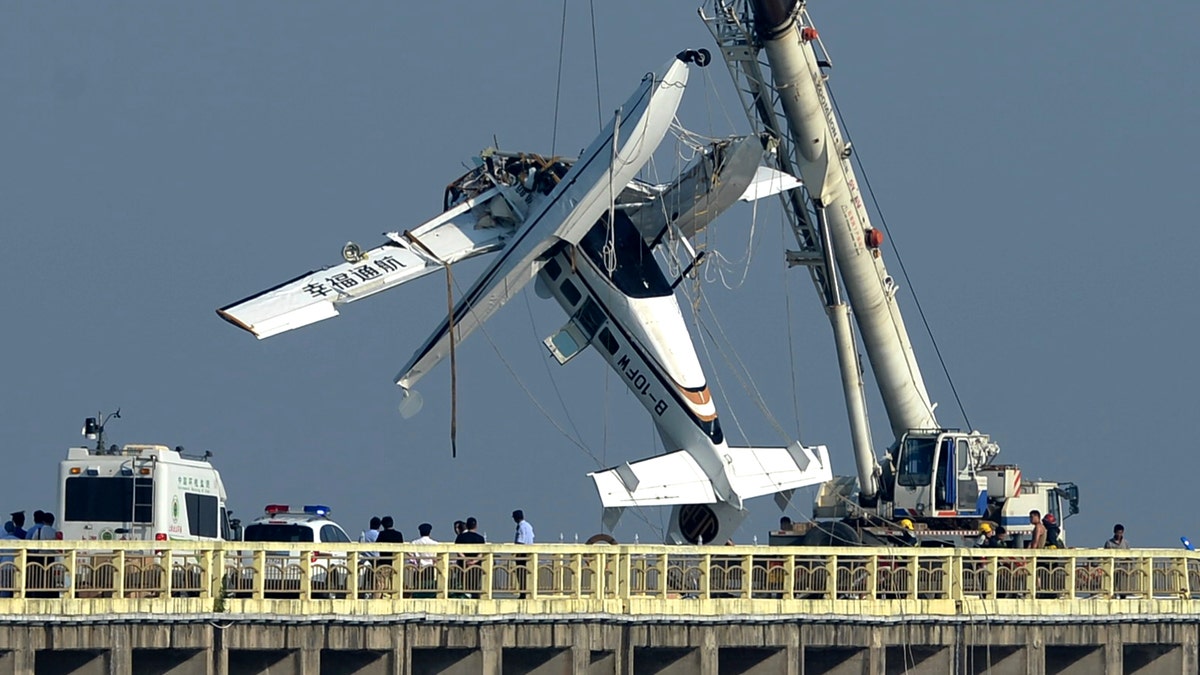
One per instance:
[(822, 155), (943, 477)]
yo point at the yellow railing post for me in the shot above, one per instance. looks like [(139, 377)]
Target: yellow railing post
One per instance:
[(443, 583), (119, 574), (489, 574), (789, 577), (259, 567), (577, 576), (747, 575), (625, 577), (72, 580), (19, 576), (831, 569), (306, 577), (663, 565)]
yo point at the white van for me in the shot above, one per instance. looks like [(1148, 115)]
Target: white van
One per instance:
[(140, 492)]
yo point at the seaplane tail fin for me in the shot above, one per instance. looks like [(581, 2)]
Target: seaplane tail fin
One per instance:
[(754, 472), (666, 480)]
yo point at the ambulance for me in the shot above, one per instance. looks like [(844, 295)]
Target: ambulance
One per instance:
[(141, 492)]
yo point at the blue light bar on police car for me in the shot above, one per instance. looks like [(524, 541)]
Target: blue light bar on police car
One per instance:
[(317, 509)]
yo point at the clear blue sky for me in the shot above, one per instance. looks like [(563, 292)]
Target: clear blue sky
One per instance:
[(1034, 162)]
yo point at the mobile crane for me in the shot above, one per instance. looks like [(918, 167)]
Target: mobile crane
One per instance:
[(943, 479)]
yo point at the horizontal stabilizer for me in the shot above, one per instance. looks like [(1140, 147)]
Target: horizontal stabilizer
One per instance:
[(665, 480), (754, 472)]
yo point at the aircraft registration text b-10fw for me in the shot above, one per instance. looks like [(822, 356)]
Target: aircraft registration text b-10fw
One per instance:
[(590, 246)]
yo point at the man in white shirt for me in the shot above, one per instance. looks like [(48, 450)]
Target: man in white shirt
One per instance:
[(424, 559), (524, 535), (524, 529), (426, 575)]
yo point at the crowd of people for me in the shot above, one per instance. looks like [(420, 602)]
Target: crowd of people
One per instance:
[(1046, 534), (43, 527), (383, 530), (466, 532)]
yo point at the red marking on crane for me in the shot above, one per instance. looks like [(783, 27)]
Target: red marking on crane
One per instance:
[(874, 238), (808, 34)]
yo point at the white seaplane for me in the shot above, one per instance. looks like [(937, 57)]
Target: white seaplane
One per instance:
[(589, 246)]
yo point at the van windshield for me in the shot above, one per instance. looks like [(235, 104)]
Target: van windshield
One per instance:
[(278, 532)]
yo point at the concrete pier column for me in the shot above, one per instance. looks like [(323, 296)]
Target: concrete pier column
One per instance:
[(309, 661), (581, 649), (23, 660), (1035, 653), (490, 645), (1114, 651), (876, 654), (708, 650), (307, 642), (120, 651), (220, 652), (1191, 652)]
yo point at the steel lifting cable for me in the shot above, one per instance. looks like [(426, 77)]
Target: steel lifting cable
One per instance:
[(450, 326), (549, 375), (610, 244), (545, 413), (900, 261), (595, 63), (562, 41), (748, 383), (787, 304)]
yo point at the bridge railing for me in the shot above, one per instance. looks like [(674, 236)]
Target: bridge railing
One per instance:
[(266, 571)]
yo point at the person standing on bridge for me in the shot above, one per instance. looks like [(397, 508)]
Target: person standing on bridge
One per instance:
[(18, 524), (524, 535), (1039, 530), (1118, 538)]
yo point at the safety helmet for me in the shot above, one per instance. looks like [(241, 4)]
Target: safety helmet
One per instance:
[(906, 523), (986, 528), (1049, 518)]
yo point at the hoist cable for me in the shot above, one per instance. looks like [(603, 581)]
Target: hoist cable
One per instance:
[(562, 41)]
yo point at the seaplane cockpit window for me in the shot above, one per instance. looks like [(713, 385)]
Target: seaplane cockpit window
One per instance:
[(637, 274)]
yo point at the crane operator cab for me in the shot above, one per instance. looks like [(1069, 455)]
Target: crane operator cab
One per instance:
[(938, 474)]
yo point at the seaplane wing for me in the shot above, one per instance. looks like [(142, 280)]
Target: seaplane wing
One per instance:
[(665, 480), (708, 186), (467, 230), (566, 214)]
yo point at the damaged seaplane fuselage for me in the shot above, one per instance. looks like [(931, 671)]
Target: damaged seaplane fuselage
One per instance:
[(590, 246)]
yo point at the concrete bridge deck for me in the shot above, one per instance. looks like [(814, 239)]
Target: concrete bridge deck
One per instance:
[(181, 608)]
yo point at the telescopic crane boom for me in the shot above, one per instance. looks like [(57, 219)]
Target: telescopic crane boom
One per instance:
[(928, 472)]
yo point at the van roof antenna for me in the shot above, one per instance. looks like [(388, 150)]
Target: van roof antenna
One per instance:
[(93, 427)]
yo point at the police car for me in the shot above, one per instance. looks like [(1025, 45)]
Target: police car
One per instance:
[(309, 526)]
